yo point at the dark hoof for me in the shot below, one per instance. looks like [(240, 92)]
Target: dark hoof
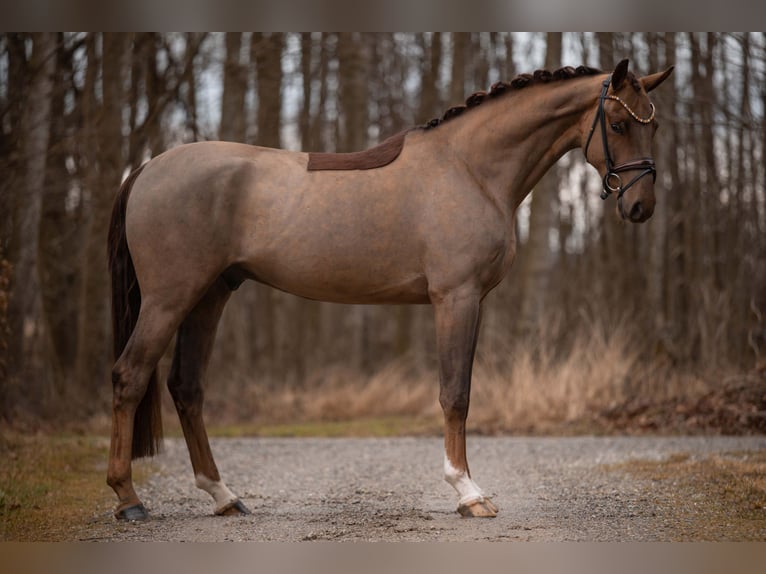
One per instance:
[(235, 508), (134, 513)]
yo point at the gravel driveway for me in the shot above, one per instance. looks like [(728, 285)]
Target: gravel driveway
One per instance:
[(547, 489)]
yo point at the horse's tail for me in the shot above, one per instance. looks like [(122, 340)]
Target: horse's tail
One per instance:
[(126, 303)]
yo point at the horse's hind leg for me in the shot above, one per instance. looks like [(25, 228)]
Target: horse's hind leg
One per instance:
[(192, 353), (130, 378), (457, 326)]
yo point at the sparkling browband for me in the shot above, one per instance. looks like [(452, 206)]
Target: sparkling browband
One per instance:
[(631, 112)]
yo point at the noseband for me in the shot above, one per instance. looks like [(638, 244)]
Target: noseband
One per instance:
[(612, 181)]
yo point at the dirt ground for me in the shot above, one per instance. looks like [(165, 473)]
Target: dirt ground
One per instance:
[(390, 489)]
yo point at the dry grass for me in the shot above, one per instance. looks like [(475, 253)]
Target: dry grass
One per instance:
[(719, 497), (540, 389), (50, 485), (532, 389), (343, 394)]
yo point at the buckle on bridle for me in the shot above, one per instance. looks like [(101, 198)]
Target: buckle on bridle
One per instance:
[(607, 183)]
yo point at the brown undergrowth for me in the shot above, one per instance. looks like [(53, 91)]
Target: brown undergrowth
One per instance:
[(599, 385), (599, 381)]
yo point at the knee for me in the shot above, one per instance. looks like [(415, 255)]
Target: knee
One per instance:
[(454, 406)]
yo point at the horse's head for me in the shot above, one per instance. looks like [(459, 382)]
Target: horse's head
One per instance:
[(624, 122)]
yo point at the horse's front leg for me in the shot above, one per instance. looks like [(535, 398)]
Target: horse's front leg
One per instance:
[(457, 327)]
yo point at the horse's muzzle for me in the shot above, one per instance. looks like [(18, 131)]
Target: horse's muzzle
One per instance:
[(639, 212)]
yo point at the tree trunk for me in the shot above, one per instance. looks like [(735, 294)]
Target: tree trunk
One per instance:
[(353, 61), (233, 117), (193, 42), (677, 282), (457, 93), (538, 258), (705, 237), (480, 62), (60, 236), (147, 137), (30, 345), (106, 164), (658, 245), (234, 356), (616, 240), (267, 54), (13, 49), (10, 137), (272, 335), (307, 78), (430, 102)]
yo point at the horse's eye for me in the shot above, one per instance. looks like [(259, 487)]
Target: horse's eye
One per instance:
[(618, 127)]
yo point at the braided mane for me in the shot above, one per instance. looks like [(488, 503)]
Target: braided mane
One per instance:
[(520, 81), (386, 152)]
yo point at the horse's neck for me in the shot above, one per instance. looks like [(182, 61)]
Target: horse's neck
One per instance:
[(509, 144)]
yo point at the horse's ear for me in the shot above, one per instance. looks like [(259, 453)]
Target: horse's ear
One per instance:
[(619, 74), (654, 80)]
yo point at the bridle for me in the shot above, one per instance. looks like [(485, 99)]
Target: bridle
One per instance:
[(612, 181)]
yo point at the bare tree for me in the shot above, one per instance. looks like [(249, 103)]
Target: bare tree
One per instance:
[(105, 167), (60, 236), (233, 116), (30, 336), (430, 101), (457, 77), (270, 335), (538, 257)]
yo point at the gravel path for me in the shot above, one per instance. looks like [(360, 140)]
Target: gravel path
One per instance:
[(547, 489)]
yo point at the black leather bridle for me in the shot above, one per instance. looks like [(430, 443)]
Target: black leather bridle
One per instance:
[(612, 181)]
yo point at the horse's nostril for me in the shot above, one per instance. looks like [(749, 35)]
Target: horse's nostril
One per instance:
[(637, 211)]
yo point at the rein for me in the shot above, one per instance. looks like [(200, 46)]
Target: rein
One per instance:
[(612, 181)]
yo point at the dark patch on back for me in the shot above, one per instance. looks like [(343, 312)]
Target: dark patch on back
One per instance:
[(378, 156)]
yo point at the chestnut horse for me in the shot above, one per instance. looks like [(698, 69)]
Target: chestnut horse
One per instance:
[(427, 217)]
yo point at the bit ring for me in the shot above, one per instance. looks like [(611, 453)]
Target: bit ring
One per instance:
[(609, 177)]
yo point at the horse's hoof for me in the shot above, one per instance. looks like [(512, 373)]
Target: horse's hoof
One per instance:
[(135, 513), (234, 508), (478, 509), (490, 505)]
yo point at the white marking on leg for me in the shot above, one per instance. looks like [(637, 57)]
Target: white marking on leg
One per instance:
[(466, 488), (217, 489)]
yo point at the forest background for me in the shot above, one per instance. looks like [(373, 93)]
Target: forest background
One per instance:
[(599, 325)]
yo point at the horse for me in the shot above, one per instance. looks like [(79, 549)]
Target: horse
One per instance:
[(427, 217)]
